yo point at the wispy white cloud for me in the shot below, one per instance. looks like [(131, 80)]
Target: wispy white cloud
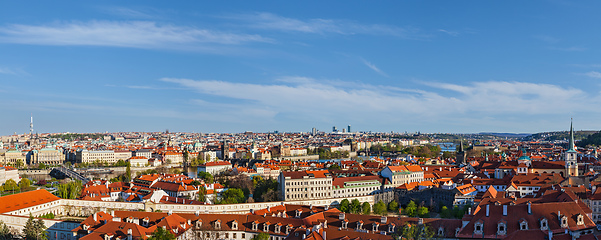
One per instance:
[(4, 70), (135, 34), (374, 67), (315, 100), (145, 13), (570, 49), (547, 39), (272, 21), (13, 71), (452, 33), (593, 74)]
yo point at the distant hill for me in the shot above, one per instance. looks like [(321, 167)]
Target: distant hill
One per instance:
[(561, 135), (507, 135), (592, 140)]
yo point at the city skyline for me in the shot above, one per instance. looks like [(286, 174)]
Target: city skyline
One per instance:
[(289, 67)]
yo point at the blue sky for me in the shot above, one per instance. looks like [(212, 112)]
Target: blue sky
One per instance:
[(429, 66)]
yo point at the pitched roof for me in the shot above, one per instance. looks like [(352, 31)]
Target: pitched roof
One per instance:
[(24, 200)]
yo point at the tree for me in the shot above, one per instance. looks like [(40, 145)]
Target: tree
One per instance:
[(19, 163), (355, 206), (161, 234), (207, 177), (42, 166), (10, 185), (127, 173), (5, 233), (24, 184), (261, 236), (380, 207), (416, 232), (411, 209), (186, 155), (334, 167), (202, 193), (366, 208), (345, 206), (34, 229), (70, 190), (422, 211), (232, 196), (393, 206)]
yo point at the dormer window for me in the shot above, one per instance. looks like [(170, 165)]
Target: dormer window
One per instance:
[(478, 226), (457, 231), (199, 223), (85, 227), (288, 227), (502, 228), (544, 224), (298, 213), (345, 224), (235, 225), (360, 225), (564, 221), (523, 225), (277, 228), (391, 227), (580, 219), (266, 226), (217, 224), (440, 231), (375, 227), (255, 225)]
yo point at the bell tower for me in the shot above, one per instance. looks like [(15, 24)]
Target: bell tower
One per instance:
[(571, 155)]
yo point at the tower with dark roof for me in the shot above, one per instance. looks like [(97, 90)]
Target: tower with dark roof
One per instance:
[(570, 156), (460, 156)]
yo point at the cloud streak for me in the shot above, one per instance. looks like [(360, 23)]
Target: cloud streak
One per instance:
[(269, 21), (374, 67), (133, 34), (310, 99), (593, 74)]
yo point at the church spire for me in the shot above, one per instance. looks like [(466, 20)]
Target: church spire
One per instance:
[(571, 146)]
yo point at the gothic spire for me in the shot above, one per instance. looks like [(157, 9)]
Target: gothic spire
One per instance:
[(571, 145)]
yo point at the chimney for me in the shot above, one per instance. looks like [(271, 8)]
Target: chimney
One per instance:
[(113, 213), (171, 212), (487, 210), (324, 235), (529, 207), (550, 235), (504, 210), (341, 216), (129, 237), (95, 217), (383, 220), (420, 221)]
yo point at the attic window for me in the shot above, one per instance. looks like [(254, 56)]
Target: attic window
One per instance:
[(441, 231), (478, 227), (580, 219), (502, 228), (375, 227), (523, 225), (235, 225), (543, 224), (255, 226), (360, 225), (564, 221)]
